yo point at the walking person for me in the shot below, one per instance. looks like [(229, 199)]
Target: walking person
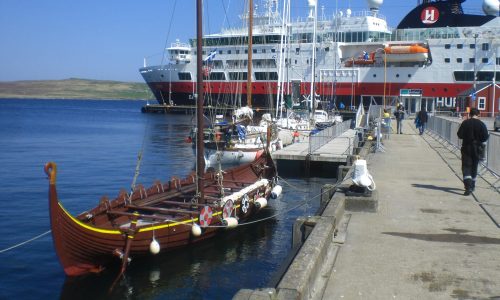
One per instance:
[(400, 115), (473, 133), (421, 120)]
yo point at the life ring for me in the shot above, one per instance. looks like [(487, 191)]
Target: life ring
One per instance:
[(205, 216), (228, 209), (245, 204)]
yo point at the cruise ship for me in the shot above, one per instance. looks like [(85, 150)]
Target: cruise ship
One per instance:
[(435, 53)]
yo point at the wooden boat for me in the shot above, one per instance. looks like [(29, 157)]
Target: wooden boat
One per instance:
[(164, 216)]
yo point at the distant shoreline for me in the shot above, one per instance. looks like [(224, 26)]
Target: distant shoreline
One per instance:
[(75, 89), (2, 98)]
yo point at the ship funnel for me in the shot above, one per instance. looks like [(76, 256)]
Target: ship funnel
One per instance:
[(491, 7), (374, 5)]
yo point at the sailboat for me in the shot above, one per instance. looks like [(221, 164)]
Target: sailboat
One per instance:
[(238, 141), (165, 216)]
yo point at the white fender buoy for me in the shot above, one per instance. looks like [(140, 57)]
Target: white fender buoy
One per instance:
[(261, 203), (276, 191), (230, 222), (196, 230), (154, 247)]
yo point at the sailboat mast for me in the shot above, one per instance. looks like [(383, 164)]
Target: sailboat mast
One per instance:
[(200, 162), (250, 42), (313, 5)]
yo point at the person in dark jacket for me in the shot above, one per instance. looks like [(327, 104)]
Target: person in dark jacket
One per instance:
[(473, 133), (421, 120), (400, 115)]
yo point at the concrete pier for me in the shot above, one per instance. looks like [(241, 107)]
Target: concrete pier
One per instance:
[(422, 240)]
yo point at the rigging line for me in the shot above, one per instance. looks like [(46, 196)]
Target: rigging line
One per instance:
[(168, 32), (25, 242), (139, 161), (225, 14)]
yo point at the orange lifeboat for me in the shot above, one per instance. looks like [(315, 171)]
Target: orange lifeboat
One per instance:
[(410, 53)]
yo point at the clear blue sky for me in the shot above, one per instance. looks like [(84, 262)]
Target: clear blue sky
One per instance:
[(108, 39)]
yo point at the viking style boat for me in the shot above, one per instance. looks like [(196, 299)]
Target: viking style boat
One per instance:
[(165, 216)]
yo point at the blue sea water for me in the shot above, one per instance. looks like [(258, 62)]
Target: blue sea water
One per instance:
[(96, 145)]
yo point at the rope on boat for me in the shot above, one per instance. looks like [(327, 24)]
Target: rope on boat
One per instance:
[(25, 242)]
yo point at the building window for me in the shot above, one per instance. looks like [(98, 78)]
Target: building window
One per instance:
[(254, 50), (246, 51), (447, 46), (327, 49), (472, 46), (220, 51), (295, 61), (484, 60), (459, 60), (297, 51), (273, 50), (481, 103), (237, 51), (446, 60), (485, 47), (460, 46), (472, 60)]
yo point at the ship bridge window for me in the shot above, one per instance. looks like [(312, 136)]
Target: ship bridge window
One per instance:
[(486, 47), (228, 51), (447, 46), (273, 50), (237, 75), (446, 60), (460, 46), (297, 51), (266, 76), (217, 76), (459, 60), (184, 76), (472, 46), (472, 60), (484, 60), (469, 75), (254, 50)]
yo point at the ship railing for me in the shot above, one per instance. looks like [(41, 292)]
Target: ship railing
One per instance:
[(444, 129), (321, 138)]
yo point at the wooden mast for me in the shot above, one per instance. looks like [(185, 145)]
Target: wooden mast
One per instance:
[(200, 162), (249, 64)]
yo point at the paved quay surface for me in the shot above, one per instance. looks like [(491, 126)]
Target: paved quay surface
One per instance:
[(427, 240)]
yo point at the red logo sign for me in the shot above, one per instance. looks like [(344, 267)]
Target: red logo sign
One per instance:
[(429, 15)]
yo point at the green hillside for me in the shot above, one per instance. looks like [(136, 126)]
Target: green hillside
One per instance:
[(74, 88)]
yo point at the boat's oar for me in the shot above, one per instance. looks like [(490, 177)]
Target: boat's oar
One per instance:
[(129, 235)]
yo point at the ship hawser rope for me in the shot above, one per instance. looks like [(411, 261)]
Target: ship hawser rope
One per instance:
[(25, 242)]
